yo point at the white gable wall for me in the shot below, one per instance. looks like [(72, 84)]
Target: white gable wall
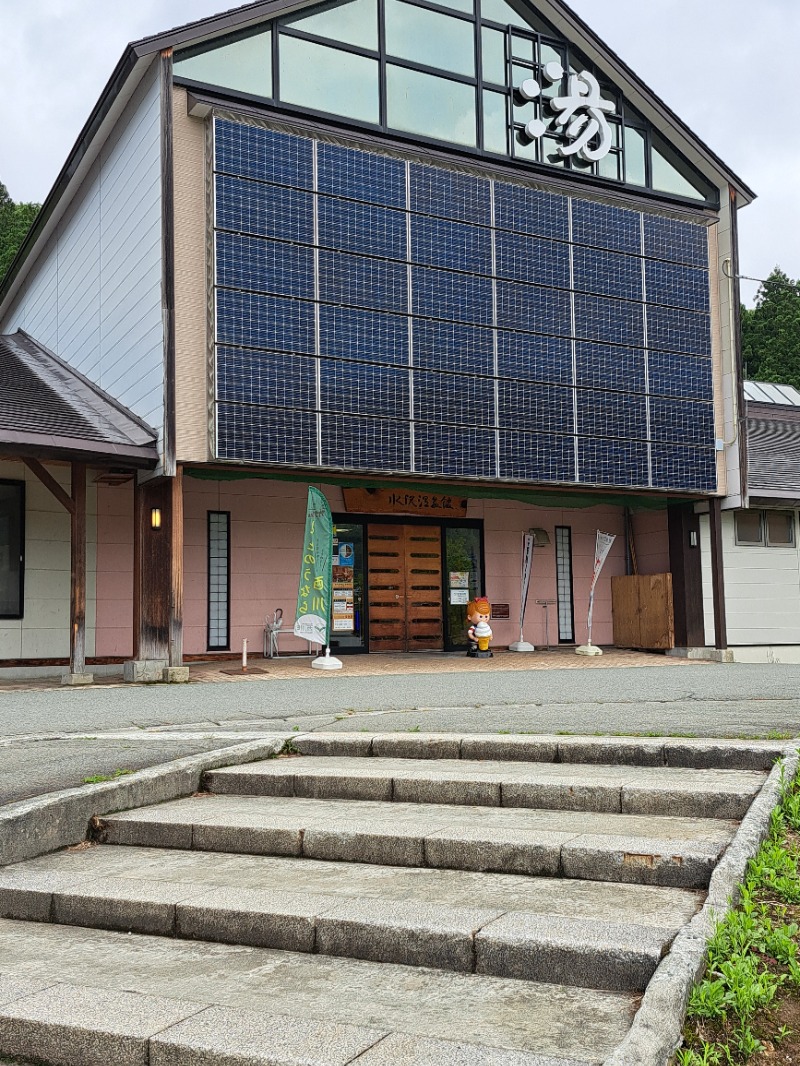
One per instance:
[(94, 294)]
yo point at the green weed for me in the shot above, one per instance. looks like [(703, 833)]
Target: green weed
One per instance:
[(98, 779)]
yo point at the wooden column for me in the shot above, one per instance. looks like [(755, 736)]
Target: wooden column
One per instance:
[(717, 575), (77, 636), (687, 575), (158, 570)]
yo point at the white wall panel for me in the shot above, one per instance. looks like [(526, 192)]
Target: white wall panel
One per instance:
[(762, 589), (94, 295)]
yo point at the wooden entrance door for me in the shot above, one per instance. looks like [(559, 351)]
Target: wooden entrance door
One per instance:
[(404, 587)]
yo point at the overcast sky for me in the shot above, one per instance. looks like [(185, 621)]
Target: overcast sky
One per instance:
[(727, 67)]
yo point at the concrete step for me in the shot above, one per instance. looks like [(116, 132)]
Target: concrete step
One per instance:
[(494, 783), (85, 997), (637, 849), (690, 752), (583, 933)]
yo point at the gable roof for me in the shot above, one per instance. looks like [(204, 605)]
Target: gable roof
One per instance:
[(139, 56), (49, 409)]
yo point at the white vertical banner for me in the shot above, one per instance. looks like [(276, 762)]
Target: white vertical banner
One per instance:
[(601, 549), (527, 566)]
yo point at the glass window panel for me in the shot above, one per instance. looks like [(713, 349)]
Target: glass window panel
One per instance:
[(523, 48), (11, 549), (326, 79), (463, 567), (523, 148), (500, 11), (550, 152), (749, 529), (608, 166), (467, 6), (635, 172), (529, 109), (429, 37), (495, 123), (668, 179), (494, 56), (353, 22), (348, 615), (434, 107), (244, 65), (780, 528)]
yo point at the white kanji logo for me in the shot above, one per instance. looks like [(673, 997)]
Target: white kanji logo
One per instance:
[(581, 114)]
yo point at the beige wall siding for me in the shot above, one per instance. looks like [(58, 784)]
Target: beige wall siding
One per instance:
[(191, 338), (762, 589), (43, 631)]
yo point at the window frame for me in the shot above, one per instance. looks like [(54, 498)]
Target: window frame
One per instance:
[(514, 155), (20, 487), (227, 645), (763, 519)]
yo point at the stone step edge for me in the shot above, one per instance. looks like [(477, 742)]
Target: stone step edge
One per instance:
[(525, 945), (599, 796), (592, 857), (685, 752), (44, 1020)]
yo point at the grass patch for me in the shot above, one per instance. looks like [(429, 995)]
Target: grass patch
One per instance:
[(98, 779), (747, 1007)]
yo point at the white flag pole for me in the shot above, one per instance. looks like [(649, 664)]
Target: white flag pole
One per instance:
[(527, 566), (603, 544)]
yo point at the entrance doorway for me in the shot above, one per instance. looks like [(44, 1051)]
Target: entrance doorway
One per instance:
[(404, 587)]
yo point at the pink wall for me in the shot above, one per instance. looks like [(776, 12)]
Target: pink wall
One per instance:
[(266, 530), (651, 539), (504, 524)]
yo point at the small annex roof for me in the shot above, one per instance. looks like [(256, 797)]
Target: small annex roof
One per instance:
[(768, 392), (139, 55), (49, 410)]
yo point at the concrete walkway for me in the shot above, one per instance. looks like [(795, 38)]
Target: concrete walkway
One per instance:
[(54, 738)]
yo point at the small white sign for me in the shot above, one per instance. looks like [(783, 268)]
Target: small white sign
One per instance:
[(459, 596)]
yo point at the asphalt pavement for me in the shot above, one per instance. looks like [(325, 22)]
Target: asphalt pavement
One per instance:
[(55, 738)]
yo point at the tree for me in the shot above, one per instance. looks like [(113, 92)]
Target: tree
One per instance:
[(771, 332), (15, 221)]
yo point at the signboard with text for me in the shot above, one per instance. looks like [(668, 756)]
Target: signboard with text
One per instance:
[(402, 501)]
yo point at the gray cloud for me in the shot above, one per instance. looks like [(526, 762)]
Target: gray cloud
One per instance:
[(726, 67)]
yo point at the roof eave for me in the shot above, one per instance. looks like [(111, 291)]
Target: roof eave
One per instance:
[(21, 443)]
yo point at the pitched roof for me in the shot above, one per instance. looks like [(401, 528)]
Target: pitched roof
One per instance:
[(49, 409), (768, 392)]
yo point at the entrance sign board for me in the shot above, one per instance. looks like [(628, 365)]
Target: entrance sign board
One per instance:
[(398, 501)]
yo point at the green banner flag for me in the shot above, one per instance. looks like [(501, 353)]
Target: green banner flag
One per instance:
[(312, 619)]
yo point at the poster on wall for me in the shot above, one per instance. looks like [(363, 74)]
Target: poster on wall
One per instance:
[(346, 554), (459, 596), (459, 579)]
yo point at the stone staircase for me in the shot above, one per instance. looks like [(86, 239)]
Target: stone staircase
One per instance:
[(396, 899)]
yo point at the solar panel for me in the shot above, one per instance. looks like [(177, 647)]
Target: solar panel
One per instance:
[(376, 314)]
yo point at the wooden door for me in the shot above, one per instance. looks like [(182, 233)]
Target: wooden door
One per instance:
[(404, 587), (642, 611)]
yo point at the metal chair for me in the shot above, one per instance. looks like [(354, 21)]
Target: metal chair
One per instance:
[(272, 631)]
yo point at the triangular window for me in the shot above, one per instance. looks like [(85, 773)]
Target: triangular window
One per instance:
[(503, 83)]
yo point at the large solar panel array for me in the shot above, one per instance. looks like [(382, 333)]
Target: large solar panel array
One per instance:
[(376, 314)]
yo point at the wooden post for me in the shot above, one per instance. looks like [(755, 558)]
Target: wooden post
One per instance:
[(77, 636), (176, 571), (717, 575), (158, 571)]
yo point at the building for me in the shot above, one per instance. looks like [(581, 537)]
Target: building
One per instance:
[(759, 539), (455, 264)]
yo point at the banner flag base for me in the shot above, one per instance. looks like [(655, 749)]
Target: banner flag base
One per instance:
[(327, 661), (521, 645), (588, 649)]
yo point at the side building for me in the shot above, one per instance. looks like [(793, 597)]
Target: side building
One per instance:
[(453, 263)]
